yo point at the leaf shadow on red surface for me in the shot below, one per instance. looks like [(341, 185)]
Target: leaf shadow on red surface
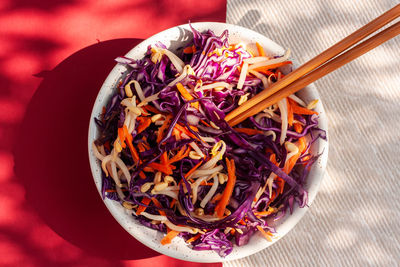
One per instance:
[(51, 158)]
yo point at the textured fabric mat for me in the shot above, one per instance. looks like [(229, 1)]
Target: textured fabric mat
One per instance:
[(354, 220)]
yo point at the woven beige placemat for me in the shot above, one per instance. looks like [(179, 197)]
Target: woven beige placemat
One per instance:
[(355, 219)]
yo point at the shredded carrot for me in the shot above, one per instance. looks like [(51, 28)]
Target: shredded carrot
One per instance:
[(193, 169), (158, 205), (300, 110), (232, 231), (267, 235), (230, 184), (290, 113), (172, 204), (145, 202), (186, 95), (184, 130), (188, 50), (242, 222), (141, 147), (144, 122), (129, 140), (216, 198), (194, 128), (182, 153), (142, 175), (302, 144), (205, 183), (260, 49), (168, 238), (303, 111), (272, 198), (194, 238), (297, 127), (205, 123), (121, 137), (163, 127), (166, 169), (281, 184), (263, 213), (272, 66), (248, 131), (266, 72), (148, 169), (164, 158), (291, 163), (151, 109)]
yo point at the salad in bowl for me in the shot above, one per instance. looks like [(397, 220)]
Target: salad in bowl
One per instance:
[(175, 174)]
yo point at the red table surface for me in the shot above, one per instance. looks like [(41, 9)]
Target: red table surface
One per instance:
[(54, 57)]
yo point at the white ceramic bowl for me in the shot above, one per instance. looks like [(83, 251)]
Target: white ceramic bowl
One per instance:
[(174, 38)]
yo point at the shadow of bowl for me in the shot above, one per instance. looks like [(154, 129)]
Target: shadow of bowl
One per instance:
[(51, 157)]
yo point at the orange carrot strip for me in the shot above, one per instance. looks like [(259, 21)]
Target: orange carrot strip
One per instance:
[(216, 198), (267, 72), (242, 222), (260, 49), (164, 158), (166, 169), (205, 123), (248, 131), (290, 113), (145, 201), (272, 66), (158, 205), (272, 198), (265, 234), (151, 109), (263, 213), (134, 152), (186, 95), (232, 231), (172, 204), (141, 147), (121, 137), (184, 130), (302, 144), (193, 169), (148, 169), (181, 155), (188, 50), (144, 122), (129, 139), (194, 238), (163, 127), (298, 128), (303, 111), (230, 184), (168, 238), (300, 110), (206, 183), (142, 175), (281, 184)]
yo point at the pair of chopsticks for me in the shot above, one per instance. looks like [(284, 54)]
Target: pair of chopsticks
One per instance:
[(326, 62)]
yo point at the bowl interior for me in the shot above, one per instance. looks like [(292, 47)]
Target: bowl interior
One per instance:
[(174, 38)]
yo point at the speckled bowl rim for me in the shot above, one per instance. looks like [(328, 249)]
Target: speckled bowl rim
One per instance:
[(173, 38)]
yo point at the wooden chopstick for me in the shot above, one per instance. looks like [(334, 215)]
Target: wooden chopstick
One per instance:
[(332, 65), (317, 61)]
